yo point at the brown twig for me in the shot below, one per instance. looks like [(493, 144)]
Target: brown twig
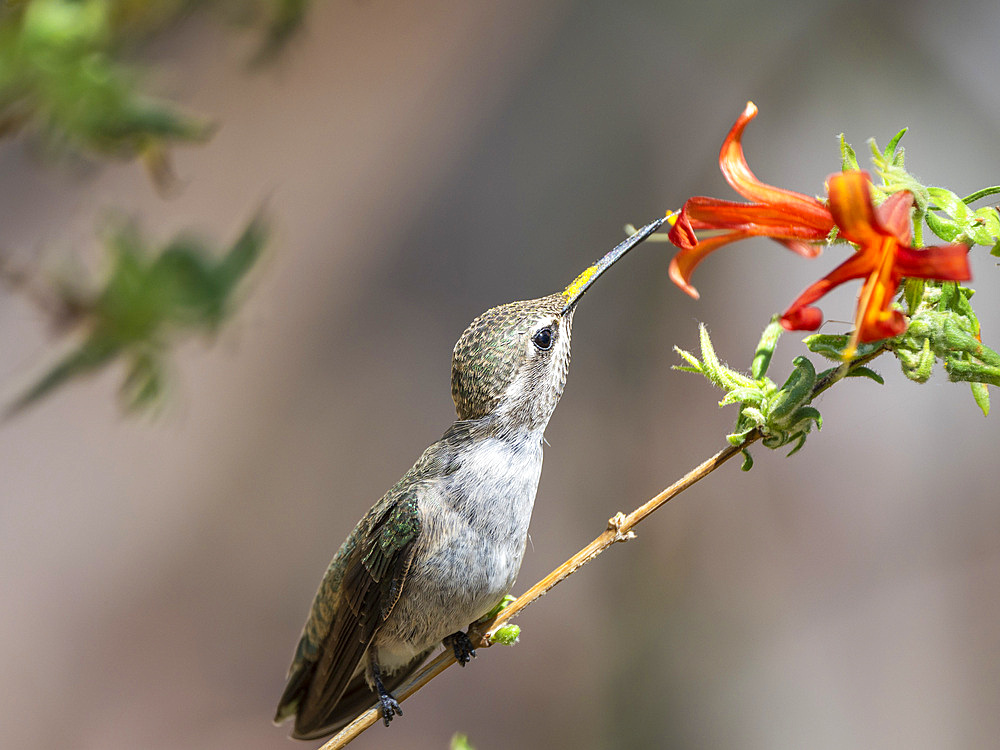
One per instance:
[(619, 530)]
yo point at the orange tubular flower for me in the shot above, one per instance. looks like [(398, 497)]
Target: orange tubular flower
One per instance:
[(882, 236), (793, 219), (884, 256)]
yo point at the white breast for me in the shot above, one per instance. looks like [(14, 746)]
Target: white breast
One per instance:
[(474, 525)]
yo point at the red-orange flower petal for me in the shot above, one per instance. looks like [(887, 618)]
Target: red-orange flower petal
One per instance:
[(800, 316), (793, 219), (683, 263), (882, 235), (735, 169), (762, 219)]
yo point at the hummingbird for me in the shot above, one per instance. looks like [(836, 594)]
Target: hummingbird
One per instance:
[(443, 546)]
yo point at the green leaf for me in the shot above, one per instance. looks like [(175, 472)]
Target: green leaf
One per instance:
[(506, 635), (865, 372), (913, 292), (980, 194), (796, 391), (986, 226), (982, 396), (828, 345), (946, 229), (962, 371), (949, 202), (765, 348), (848, 158), (501, 606), (890, 150), (831, 346)]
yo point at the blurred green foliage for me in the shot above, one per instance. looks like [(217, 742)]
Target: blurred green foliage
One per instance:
[(146, 301), (64, 74), (69, 80)]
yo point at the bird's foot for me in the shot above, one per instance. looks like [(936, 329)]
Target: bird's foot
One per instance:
[(462, 646), (390, 707)]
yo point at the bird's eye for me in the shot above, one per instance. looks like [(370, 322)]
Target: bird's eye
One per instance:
[(543, 339)]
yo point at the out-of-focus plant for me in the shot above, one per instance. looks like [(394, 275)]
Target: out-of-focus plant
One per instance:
[(64, 75), (69, 81), (59, 78), (144, 302)]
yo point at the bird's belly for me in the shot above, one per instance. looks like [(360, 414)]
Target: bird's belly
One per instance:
[(473, 531), (447, 589)]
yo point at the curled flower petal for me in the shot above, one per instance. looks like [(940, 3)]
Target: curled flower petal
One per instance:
[(795, 220), (800, 316), (683, 264), (735, 169)]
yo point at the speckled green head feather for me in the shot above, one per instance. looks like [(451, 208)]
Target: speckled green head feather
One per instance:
[(498, 353), (499, 364)]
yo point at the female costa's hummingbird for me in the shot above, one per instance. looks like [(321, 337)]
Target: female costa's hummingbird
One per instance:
[(444, 545)]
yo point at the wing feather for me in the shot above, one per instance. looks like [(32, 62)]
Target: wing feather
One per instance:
[(373, 578)]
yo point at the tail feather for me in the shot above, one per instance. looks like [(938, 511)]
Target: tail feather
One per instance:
[(356, 698)]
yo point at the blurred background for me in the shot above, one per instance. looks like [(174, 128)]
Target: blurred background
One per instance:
[(422, 162)]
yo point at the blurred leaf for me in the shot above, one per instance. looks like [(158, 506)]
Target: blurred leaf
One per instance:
[(59, 79), (147, 301), (62, 77), (285, 18)]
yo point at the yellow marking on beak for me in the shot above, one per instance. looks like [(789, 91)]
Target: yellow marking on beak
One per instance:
[(579, 283)]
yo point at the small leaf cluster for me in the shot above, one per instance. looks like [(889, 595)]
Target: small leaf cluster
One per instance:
[(943, 326), (146, 301), (947, 215), (783, 415)]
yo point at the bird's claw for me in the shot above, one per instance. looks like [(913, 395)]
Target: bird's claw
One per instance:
[(462, 647), (390, 707)]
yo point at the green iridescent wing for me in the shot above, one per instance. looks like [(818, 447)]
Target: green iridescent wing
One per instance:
[(358, 593), (374, 573)]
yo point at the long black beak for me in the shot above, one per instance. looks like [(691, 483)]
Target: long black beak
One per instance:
[(582, 283)]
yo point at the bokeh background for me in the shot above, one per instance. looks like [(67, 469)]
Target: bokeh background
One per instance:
[(425, 161)]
